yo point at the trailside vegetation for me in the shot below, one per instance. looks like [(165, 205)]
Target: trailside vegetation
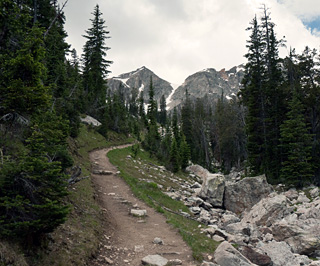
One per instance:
[(272, 127)]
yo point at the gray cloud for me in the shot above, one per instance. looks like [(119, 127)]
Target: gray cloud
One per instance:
[(176, 38)]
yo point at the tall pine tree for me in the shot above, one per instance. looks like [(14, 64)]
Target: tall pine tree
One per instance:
[(95, 66)]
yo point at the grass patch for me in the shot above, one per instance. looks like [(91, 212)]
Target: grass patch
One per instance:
[(144, 177)]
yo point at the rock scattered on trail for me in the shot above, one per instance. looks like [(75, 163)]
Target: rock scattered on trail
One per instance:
[(154, 260), (138, 213), (158, 241), (175, 262), (138, 248), (102, 172)]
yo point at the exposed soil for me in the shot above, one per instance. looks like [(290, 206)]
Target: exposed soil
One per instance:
[(128, 239)]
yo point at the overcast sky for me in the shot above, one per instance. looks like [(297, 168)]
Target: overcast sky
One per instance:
[(176, 38)]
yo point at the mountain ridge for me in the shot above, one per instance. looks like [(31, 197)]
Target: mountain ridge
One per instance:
[(207, 82)]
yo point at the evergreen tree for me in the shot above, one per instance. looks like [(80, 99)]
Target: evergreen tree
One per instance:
[(174, 156), (34, 183), (163, 111), (95, 66), (253, 97), (152, 105), (153, 138), (297, 168), (184, 153), (22, 90)]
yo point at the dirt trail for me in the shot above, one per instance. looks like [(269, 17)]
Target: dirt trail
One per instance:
[(128, 239)]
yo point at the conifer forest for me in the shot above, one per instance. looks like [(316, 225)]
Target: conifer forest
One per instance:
[(271, 127)]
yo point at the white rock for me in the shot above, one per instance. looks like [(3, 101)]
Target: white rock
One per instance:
[(138, 248), (158, 241), (90, 121), (139, 213), (154, 260)]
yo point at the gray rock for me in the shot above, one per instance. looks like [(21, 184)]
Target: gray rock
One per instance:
[(212, 189), (154, 260), (314, 192), (246, 193), (268, 210), (195, 210), (90, 121), (229, 219), (158, 241), (138, 213), (227, 255), (175, 262), (292, 194), (256, 257), (280, 254), (303, 198), (102, 172), (198, 170), (139, 248), (302, 238), (218, 238), (196, 185), (206, 263)]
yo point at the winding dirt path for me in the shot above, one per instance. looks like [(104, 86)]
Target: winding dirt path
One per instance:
[(128, 239)]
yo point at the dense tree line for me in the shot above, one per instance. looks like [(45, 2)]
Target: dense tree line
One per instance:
[(282, 114), (42, 93)]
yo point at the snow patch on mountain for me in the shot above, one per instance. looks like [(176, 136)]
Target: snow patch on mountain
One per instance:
[(169, 98)]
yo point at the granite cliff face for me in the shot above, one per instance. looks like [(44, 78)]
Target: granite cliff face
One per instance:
[(206, 83)]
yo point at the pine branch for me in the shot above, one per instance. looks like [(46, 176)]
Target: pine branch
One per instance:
[(54, 20)]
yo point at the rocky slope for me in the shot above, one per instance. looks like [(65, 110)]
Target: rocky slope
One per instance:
[(268, 227), (207, 83), (256, 223)]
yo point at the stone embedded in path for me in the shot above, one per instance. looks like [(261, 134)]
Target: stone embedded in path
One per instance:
[(138, 248), (154, 260), (158, 241), (175, 262), (102, 172), (138, 213)]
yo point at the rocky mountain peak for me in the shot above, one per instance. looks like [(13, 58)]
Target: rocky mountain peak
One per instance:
[(205, 83)]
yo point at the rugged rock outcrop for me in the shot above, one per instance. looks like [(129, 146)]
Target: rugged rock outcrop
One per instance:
[(227, 255), (210, 83), (212, 189), (244, 194)]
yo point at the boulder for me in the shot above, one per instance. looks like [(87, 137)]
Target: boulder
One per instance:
[(138, 213), (268, 210), (280, 254), (198, 170), (90, 121), (256, 257), (244, 194), (212, 189), (229, 219), (314, 192), (292, 194), (303, 238), (227, 255), (154, 260)]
